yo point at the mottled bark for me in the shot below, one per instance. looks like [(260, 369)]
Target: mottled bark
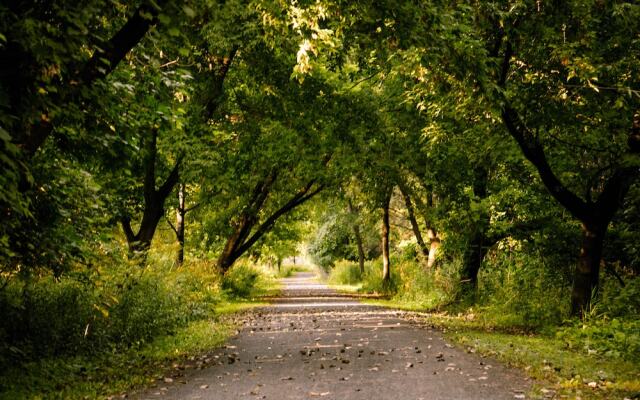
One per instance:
[(434, 245)]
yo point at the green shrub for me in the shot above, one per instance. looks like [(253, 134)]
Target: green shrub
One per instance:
[(345, 273), (616, 301), (614, 338), (372, 280), (47, 318), (426, 288), (102, 310), (612, 327), (147, 308), (241, 280)]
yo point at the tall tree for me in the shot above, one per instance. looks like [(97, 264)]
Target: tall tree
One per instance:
[(577, 114)]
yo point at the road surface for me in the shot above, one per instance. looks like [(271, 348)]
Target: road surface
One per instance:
[(313, 343)]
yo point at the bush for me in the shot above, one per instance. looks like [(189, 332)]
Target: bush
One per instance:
[(93, 312), (372, 280), (48, 317), (612, 327), (345, 273), (518, 290), (614, 338), (147, 308), (241, 280), (427, 288), (620, 302)]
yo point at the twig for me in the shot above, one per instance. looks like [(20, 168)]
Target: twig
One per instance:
[(169, 63), (364, 80)]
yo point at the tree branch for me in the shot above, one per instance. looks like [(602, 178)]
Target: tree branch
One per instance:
[(173, 228), (214, 90), (151, 151), (412, 219), (126, 227), (301, 197), (107, 58), (171, 181), (534, 152), (186, 210)]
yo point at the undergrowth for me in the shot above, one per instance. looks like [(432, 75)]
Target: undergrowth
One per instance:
[(520, 314), (108, 329)]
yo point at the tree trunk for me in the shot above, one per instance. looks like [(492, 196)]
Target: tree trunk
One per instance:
[(386, 264), (356, 233), (414, 223), (472, 261), (227, 256), (477, 249), (242, 237), (434, 244), (154, 199), (586, 277), (432, 233), (358, 237), (180, 216)]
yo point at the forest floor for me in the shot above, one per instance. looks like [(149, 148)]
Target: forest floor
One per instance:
[(312, 342)]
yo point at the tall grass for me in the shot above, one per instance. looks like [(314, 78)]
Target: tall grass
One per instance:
[(113, 308)]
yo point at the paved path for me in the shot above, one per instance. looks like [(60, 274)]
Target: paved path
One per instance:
[(314, 343)]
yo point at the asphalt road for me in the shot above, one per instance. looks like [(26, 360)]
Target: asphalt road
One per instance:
[(313, 343)]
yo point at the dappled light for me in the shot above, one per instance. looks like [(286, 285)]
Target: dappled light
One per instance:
[(341, 199)]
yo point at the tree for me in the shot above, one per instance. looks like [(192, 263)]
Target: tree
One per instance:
[(44, 95), (358, 237), (608, 163), (424, 250), (179, 227), (384, 234), (154, 199)]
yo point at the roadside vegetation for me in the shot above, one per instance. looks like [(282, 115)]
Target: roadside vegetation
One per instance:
[(596, 357), (110, 330), (479, 160)]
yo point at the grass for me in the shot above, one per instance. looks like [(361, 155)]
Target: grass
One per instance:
[(119, 372), (560, 372), (566, 373)]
